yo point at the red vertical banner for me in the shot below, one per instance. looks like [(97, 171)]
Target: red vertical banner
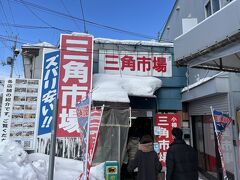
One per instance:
[(75, 80), (162, 130), (95, 121)]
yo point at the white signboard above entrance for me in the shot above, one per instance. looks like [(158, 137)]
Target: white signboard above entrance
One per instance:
[(135, 63)]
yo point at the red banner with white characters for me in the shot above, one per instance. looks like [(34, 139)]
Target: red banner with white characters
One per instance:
[(92, 136), (163, 132), (75, 80), (95, 121)]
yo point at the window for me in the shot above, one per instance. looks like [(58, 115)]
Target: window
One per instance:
[(215, 5), (208, 9), (211, 7)]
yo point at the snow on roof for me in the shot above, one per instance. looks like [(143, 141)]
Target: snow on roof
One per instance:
[(42, 44), (132, 42), (200, 81), (81, 34), (116, 88), (16, 164)]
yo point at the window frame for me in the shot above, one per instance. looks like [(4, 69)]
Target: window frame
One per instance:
[(211, 7)]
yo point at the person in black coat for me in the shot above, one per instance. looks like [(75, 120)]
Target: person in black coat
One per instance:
[(181, 160), (146, 160)]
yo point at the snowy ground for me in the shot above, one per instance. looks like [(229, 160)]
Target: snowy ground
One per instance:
[(16, 164)]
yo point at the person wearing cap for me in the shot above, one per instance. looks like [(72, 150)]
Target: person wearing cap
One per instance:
[(146, 160), (181, 160)]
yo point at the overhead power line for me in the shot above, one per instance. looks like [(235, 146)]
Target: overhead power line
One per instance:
[(12, 39), (65, 7), (84, 22), (23, 26), (11, 12), (21, 41), (42, 8), (45, 22), (5, 16)]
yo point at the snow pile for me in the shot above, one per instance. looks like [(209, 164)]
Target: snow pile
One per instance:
[(69, 169), (16, 164), (132, 42), (81, 34), (116, 88), (42, 44), (200, 81)]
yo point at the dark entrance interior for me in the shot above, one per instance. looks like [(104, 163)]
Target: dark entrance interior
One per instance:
[(140, 126)]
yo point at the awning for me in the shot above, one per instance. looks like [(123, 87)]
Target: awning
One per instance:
[(212, 86), (226, 58)]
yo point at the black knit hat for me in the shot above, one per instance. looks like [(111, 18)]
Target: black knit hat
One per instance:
[(146, 139), (177, 132)]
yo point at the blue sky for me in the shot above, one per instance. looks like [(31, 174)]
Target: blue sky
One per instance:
[(142, 17)]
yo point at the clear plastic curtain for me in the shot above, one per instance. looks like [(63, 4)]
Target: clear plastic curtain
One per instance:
[(112, 136)]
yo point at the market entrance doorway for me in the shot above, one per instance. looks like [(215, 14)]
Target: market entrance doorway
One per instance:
[(140, 126)]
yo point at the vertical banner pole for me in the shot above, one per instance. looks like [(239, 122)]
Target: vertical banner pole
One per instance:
[(219, 147), (119, 150), (53, 140), (87, 134), (130, 118)]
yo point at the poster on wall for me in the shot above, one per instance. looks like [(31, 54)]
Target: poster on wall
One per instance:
[(75, 80), (165, 122), (19, 113), (49, 89), (135, 63), (24, 113)]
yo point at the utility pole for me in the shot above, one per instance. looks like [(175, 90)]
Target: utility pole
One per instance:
[(15, 52)]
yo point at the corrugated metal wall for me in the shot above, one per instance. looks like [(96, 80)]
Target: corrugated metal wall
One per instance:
[(202, 106)]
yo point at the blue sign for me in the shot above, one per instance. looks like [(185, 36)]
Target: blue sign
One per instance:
[(50, 76)]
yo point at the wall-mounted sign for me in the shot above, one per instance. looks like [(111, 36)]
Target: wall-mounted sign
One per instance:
[(135, 63)]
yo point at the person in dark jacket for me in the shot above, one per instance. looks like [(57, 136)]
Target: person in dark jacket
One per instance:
[(181, 161), (146, 160)]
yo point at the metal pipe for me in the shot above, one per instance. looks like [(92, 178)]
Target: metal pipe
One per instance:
[(53, 141)]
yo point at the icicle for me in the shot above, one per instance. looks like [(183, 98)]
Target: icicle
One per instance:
[(74, 149), (56, 150), (72, 155), (71, 148), (78, 147), (39, 145), (48, 146), (44, 145), (68, 149), (63, 148)]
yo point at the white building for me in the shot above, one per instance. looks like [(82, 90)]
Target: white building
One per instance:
[(206, 36)]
